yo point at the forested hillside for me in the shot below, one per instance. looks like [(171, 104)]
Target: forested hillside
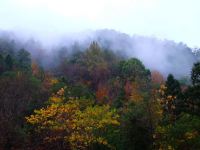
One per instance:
[(163, 55), (106, 90)]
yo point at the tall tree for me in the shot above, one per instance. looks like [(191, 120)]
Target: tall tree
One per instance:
[(2, 64), (9, 62), (24, 60), (195, 76), (192, 94), (173, 86)]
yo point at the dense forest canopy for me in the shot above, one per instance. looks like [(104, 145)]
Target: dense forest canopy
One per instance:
[(106, 90)]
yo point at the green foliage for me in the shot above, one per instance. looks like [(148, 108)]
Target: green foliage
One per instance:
[(173, 89), (192, 93), (20, 61), (195, 76), (57, 86), (192, 100), (183, 134), (133, 70), (185, 81), (80, 90), (24, 60), (10, 74), (7, 47), (75, 91), (2, 64), (9, 62), (173, 86), (135, 132), (120, 99)]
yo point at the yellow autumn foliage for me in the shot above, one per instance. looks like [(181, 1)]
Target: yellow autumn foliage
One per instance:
[(191, 135), (69, 123), (57, 97)]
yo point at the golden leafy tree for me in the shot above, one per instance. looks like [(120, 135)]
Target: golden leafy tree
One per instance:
[(166, 102), (75, 127)]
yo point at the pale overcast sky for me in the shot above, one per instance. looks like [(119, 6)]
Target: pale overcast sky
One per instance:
[(177, 20)]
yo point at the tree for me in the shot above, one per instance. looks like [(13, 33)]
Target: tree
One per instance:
[(18, 97), (102, 93), (173, 86), (24, 60), (140, 114), (179, 131), (135, 129), (192, 93), (2, 64), (9, 62), (97, 65), (69, 126), (133, 69), (157, 78), (195, 75), (183, 135), (173, 91), (93, 56)]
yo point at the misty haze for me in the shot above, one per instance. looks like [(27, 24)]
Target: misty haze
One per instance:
[(99, 75)]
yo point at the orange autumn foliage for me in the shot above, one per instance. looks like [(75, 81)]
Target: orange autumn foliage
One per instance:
[(132, 90), (102, 93), (157, 78)]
